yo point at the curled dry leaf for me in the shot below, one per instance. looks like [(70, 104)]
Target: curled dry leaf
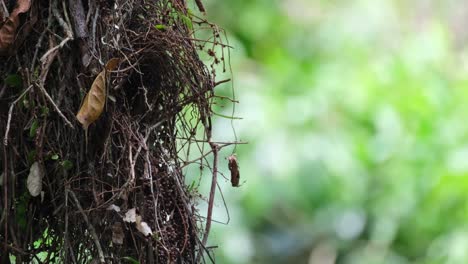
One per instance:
[(233, 166), (94, 101), (34, 181), (8, 29), (21, 7), (112, 64), (7, 33)]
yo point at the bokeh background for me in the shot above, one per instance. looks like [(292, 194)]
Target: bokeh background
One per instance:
[(356, 114)]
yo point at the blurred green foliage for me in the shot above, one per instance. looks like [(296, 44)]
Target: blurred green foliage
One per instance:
[(356, 117)]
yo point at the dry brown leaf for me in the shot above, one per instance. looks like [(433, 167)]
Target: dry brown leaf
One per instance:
[(8, 29), (21, 7), (7, 33), (94, 102), (233, 166), (112, 64)]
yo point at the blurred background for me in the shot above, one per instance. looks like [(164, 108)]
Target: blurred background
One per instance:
[(356, 114)]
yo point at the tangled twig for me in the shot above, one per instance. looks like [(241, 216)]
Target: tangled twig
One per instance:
[(156, 105)]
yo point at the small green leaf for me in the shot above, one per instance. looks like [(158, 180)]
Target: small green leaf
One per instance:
[(44, 111), (131, 260), (36, 73), (187, 21), (192, 185), (141, 16), (33, 129), (55, 157), (13, 80), (189, 12), (160, 27), (66, 164)]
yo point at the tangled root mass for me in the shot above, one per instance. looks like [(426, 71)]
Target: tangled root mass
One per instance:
[(158, 100)]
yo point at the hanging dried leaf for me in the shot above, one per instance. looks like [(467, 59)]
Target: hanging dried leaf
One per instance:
[(34, 181), (233, 166), (8, 29), (21, 7), (94, 101), (112, 64), (7, 33)]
